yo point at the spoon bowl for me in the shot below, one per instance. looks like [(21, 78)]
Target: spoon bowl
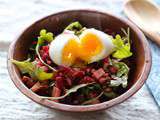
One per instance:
[(146, 15)]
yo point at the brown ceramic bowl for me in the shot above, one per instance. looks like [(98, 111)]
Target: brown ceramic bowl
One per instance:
[(56, 23)]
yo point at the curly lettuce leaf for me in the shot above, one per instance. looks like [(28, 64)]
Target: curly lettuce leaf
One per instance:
[(35, 72), (122, 46), (121, 76), (44, 36), (76, 27)]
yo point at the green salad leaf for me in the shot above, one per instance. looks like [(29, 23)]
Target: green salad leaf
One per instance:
[(76, 27), (122, 45), (123, 69), (44, 37), (35, 72), (121, 76), (68, 92), (110, 94)]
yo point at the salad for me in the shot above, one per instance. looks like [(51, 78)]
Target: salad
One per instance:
[(80, 66)]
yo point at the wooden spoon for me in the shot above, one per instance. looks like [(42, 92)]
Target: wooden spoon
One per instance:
[(146, 15)]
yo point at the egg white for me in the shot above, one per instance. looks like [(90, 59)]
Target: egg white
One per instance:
[(57, 45)]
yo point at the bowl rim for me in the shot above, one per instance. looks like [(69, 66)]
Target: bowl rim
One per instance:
[(72, 108)]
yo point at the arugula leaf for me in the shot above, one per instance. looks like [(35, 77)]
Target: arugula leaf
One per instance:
[(72, 90), (44, 36), (93, 99), (122, 49), (31, 68)]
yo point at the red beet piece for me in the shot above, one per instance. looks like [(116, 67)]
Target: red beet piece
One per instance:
[(87, 79), (36, 87), (69, 81), (102, 80), (98, 73), (25, 79), (113, 69), (59, 82), (30, 83), (78, 74), (56, 92), (106, 60), (45, 48)]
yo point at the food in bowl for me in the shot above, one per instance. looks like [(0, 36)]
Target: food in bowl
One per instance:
[(80, 66)]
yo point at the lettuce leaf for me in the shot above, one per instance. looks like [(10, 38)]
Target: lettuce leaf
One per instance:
[(35, 72), (121, 76), (122, 45), (76, 27), (44, 36)]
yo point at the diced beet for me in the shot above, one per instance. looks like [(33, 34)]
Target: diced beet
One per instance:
[(106, 74), (60, 82), (113, 69), (78, 74), (44, 56), (30, 83), (106, 60), (102, 80), (45, 48), (98, 73), (25, 79), (36, 87), (56, 92), (88, 69), (64, 69), (87, 79), (93, 70), (69, 81), (49, 62)]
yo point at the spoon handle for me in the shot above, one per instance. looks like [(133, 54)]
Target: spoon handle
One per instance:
[(155, 36)]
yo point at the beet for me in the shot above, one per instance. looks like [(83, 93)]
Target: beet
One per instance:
[(98, 73)]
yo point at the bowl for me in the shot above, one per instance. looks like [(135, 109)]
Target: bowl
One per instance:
[(55, 23)]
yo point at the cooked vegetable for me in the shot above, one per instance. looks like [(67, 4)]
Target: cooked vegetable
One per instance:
[(35, 72), (122, 45)]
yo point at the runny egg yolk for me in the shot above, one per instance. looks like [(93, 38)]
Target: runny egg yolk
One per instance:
[(91, 45), (69, 53)]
